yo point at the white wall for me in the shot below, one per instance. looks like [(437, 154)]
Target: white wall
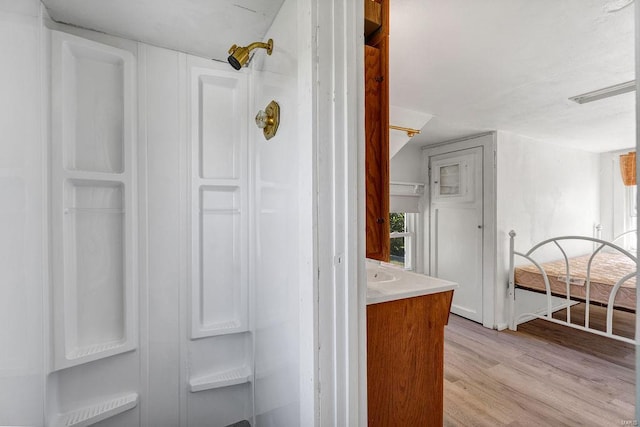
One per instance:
[(542, 191), (22, 214), (406, 165)]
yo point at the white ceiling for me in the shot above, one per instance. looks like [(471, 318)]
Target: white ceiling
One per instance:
[(511, 65), (475, 65), (202, 27)]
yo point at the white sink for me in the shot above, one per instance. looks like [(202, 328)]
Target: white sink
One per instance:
[(377, 275), (388, 283)]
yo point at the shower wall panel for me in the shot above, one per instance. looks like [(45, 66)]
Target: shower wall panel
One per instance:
[(94, 289), (22, 214), (93, 210), (281, 251), (166, 324), (93, 82), (79, 179), (220, 345), (219, 201)]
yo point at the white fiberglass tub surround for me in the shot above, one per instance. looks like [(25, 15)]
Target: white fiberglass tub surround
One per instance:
[(165, 276), (388, 283)]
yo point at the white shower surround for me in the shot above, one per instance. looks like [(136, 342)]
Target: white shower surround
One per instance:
[(163, 306)]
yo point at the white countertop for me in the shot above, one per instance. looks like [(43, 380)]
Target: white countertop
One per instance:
[(387, 283)]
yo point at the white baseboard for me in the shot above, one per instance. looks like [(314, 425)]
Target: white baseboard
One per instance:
[(502, 326)]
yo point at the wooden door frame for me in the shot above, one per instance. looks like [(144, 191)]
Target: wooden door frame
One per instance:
[(489, 249)]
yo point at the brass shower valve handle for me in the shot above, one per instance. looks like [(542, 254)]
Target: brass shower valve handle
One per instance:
[(268, 120)]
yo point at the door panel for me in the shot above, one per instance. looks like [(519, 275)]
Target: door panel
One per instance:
[(377, 155), (456, 227)]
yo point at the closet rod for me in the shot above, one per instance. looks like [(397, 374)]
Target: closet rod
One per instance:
[(410, 132)]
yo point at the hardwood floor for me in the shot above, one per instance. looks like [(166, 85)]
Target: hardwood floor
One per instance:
[(542, 375)]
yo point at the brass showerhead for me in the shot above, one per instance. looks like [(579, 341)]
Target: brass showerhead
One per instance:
[(240, 55)]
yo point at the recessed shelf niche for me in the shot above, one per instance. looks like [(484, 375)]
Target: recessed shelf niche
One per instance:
[(92, 200), (91, 414), (93, 96), (95, 267), (219, 202), (221, 379)]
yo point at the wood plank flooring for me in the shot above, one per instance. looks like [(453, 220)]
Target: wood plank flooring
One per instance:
[(542, 375)]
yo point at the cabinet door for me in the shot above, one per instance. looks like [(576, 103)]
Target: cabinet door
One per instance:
[(377, 152), (405, 361)]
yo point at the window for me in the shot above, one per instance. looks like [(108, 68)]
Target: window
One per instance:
[(450, 180), (631, 201), (402, 227)]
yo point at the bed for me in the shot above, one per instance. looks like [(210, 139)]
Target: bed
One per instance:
[(604, 274)]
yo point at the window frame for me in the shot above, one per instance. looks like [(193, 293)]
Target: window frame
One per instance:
[(409, 235)]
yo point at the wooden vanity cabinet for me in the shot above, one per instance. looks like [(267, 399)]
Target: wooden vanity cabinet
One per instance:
[(376, 84), (405, 360)]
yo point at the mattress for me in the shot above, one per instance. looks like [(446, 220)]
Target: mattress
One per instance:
[(606, 270)]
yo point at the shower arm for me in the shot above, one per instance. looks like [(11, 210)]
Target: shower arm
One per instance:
[(254, 45)]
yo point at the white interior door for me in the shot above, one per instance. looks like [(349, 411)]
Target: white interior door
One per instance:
[(456, 226)]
